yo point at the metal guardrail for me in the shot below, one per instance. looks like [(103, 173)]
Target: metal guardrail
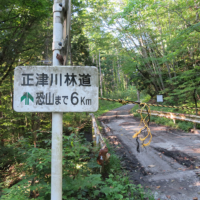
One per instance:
[(174, 116), (98, 136)]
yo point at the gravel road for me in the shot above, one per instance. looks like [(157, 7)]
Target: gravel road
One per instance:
[(169, 167)]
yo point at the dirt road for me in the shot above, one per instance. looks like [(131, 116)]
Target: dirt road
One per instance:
[(169, 166)]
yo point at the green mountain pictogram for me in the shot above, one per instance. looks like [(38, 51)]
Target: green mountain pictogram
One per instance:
[(27, 96)]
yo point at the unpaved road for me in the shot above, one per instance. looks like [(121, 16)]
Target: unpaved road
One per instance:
[(168, 167)]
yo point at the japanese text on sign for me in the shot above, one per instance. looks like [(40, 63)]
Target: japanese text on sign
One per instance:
[(45, 79), (60, 89)]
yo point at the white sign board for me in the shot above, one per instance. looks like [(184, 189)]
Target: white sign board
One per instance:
[(56, 89), (159, 98)]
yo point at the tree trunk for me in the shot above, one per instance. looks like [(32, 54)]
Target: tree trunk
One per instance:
[(160, 30)]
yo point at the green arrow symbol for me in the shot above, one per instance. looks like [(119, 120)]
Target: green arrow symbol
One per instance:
[(27, 96)]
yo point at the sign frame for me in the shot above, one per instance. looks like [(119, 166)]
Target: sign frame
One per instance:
[(56, 89), (160, 98)]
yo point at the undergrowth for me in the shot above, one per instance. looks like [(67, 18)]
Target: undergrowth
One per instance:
[(183, 125), (28, 172), (105, 106), (81, 173), (130, 93), (75, 119)]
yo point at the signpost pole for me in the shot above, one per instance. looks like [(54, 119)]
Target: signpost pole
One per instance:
[(79, 92), (57, 118)]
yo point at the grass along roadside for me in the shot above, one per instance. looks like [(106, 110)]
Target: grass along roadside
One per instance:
[(75, 119), (118, 181), (183, 125), (105, 106)]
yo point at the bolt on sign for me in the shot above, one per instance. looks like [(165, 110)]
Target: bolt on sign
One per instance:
[(56, 89)]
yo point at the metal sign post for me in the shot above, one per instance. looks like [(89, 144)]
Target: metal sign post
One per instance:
[(56, 89), (66, 18), (57, 118)]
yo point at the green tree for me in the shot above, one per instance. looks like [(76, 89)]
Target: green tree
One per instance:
[(21, 21), (161, 40)]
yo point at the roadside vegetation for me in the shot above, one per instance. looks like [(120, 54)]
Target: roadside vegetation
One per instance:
[(182, 125), (26, 167)]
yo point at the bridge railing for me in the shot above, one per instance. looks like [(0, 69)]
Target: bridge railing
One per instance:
[(97, 133)]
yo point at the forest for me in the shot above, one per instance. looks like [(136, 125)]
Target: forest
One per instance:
[(145, 47)]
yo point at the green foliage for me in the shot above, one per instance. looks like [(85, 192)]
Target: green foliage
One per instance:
[(16, 192), (183, 125), (129, 94), (75, 119), (81, 173), (106, 106), (21, 21), (186, 87), (160, 51), (119, 187)]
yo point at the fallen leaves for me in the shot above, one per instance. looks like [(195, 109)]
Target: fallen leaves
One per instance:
[(169, 197), (195, 198), (157, 187)]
